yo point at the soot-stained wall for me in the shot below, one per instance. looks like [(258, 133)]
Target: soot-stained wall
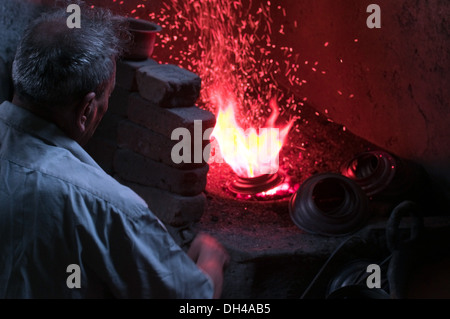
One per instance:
[(390, 85)]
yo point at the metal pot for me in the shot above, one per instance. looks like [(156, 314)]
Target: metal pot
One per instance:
[(143, 34), (329, 204), (373, 171), (382, 175)]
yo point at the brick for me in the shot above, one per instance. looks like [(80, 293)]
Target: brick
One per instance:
[(168, 85), (172, 209), (164, 121), (102, 151), (118, 102), (156, 146), (126, 72), (137, 168)]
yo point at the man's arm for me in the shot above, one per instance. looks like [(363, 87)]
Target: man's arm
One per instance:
[(211, 257)]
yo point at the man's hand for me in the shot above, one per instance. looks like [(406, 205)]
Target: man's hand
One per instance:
[(211, 257)]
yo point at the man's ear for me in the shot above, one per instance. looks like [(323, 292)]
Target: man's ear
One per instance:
[(84, 111)]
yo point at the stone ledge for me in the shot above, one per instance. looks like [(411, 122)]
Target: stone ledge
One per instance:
[(280, 261)]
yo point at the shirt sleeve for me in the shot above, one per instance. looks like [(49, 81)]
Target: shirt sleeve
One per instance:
[(136, 257)]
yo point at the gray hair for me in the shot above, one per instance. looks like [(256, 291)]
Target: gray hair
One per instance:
[(56, 65)]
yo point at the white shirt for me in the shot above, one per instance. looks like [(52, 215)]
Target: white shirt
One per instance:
[(59, 208)]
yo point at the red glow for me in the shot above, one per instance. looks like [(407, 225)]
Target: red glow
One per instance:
[(233, 57), (283, 190), (245, 72), (251, 152), (230, 44)]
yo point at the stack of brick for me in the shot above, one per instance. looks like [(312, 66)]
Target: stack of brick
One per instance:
[(134, 141)]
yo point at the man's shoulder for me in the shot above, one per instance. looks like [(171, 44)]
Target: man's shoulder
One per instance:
[(56, 172), (94, 184), (97, 184), (46, 160)]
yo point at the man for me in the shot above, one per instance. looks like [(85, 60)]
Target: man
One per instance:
[(59, 211)]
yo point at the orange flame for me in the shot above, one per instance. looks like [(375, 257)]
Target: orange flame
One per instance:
[(251, 152)]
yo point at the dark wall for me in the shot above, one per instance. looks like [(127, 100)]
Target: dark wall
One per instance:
[(393, 83)]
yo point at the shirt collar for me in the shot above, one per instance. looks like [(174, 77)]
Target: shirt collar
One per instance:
[(26, 121)]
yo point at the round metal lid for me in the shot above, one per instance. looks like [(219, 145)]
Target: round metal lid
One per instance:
[(329, 204)]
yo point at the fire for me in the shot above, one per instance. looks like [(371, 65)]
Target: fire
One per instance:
[(251, 152), (236, 48), (229, 44)]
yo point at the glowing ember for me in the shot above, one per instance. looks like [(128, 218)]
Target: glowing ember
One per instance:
[(284, 190), (285, 187), (250, 188)]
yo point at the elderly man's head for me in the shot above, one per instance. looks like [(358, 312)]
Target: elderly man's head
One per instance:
[(67, 74)]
